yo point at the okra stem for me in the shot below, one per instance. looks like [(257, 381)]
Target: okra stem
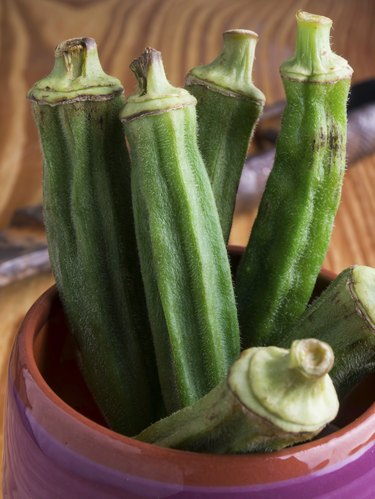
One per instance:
[(272, 398), (183, 256), (77, 76), (344, 317), (293, 226), (314, 60), (90, 230), (228, 108)]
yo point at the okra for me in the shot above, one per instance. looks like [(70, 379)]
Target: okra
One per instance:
[(228, 108), (344, 317), (272, 398), (91, 236), (183, 256), (293, 226)]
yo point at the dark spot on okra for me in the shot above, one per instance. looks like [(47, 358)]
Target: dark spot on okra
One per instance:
[(333, 139), (322, 137), (347, 316), (320, 142)]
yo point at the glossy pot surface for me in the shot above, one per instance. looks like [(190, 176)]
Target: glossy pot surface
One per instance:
[(57, 446)]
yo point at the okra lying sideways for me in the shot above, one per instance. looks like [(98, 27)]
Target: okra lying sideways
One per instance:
[(228, 108), (90, 230), (344, 317), (272, 398), (292, 230), (183, 256)]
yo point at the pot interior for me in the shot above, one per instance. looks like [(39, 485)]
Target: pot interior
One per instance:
[(55, 356)]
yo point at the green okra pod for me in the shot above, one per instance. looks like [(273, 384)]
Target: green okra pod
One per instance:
[(228, 108), (90, 230), (272, 398), (183, 256), (292, 230), (344, 316)]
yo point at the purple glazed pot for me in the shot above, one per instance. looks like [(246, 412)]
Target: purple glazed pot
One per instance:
[(56, 445)]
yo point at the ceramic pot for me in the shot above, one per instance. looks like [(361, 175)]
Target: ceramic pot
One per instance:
[(57, 446)]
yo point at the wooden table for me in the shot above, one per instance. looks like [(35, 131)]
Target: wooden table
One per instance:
[(187, 33)]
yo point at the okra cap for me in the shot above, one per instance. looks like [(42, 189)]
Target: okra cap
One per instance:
[(289, 388), (314, 60), (76, 76), (231, 72), (155, 95)]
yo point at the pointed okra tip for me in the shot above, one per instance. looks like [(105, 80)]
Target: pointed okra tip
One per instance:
[(232, 70), (149, 71), (290, 388), (77, 75), (154, 94), (314, 59)]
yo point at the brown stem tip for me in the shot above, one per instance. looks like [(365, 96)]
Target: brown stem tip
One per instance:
[(141, 66)]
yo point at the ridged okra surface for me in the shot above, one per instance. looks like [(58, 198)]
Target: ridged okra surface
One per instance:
[(183, 256), (90, 230), (228, 108), (293, 226)]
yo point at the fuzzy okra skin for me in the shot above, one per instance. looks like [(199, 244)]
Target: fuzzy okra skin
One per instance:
[(228, 108), (272, 398), (292, 230), (91, 236), (344, 317), (183, 256)]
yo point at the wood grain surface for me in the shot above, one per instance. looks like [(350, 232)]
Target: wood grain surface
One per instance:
[(187, 32)]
